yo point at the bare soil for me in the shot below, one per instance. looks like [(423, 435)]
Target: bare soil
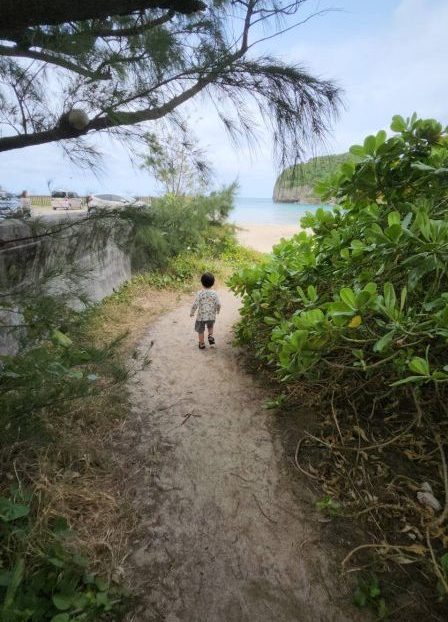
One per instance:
[(225, 534)]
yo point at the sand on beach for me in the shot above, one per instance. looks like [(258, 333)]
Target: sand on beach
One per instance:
[(263, 237)]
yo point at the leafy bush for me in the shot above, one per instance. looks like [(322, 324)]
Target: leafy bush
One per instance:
[(174, 224), (219, 253), (50, 395), (357, 313), (369, 288), (54, 584)]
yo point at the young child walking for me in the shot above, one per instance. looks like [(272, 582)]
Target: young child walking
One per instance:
[(207, 305)]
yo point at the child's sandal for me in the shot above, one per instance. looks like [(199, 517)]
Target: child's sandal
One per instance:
[(211, 340), (202, 346)]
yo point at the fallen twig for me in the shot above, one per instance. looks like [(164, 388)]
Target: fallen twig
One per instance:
[(296, 461), (410, 547), (333, 411)]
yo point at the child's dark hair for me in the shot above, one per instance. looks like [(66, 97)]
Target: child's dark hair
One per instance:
[(207, 279)]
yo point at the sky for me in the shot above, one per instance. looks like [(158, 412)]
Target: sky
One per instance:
[(388, 57)]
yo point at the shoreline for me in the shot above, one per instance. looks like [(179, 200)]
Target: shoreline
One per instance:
[(262, 237)]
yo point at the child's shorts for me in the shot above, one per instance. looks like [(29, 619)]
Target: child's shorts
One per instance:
[(199, 326)]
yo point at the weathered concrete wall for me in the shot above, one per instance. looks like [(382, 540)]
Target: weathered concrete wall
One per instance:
[(79, 258)]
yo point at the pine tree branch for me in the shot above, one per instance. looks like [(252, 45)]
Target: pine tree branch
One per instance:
[(18, 15), (53, 59), (116, 119)]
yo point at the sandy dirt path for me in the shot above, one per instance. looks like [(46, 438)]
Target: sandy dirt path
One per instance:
[(262, 237), (224, 537)]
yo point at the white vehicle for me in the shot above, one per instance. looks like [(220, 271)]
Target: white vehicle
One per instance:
[(111, 201), (62, 199)]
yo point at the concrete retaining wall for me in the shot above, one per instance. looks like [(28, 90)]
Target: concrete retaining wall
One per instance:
[(77, 257)]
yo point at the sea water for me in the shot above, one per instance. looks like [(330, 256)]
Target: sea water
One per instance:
[(266, 212)]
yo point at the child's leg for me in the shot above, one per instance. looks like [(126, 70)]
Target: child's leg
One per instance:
[(211, 339), (201, 337)]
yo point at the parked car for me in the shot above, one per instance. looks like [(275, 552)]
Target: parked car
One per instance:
[(111, 201), (11, 206), (62, 199)]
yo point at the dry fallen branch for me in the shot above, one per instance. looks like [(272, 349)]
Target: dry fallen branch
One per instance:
[(296, 461), (417, 549)]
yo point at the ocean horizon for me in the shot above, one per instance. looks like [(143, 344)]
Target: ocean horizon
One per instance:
[(263, 211)]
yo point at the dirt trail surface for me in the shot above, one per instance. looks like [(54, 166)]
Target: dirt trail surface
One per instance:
[(223, 537)]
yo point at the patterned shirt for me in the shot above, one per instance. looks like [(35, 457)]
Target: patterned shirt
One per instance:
[(208, 305)]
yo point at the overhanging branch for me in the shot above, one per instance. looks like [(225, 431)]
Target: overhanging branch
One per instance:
[(53, 59), (117, 119), (18, 15)]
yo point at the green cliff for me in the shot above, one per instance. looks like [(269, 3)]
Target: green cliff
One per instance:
[(296, 183)]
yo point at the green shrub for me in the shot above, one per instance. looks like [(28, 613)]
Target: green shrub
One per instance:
[(174, 224), (355, 315), (369, 288), (41, 578)]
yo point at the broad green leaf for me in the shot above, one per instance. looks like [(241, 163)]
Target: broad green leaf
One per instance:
[(419, 366), (345, 253), (398, 124), (380, 138), (404, 293), (270, 320), (63, 601), (383, 343), (10, 511), (390, 298), (393, 218), (348, 297), (370, 288), (358, 247), (339, 309), (298, 339), (312, 293), (394, 232), (439, 375), (61, 617), (308, 319), (357, 150), (420, 166), (370, 145)]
